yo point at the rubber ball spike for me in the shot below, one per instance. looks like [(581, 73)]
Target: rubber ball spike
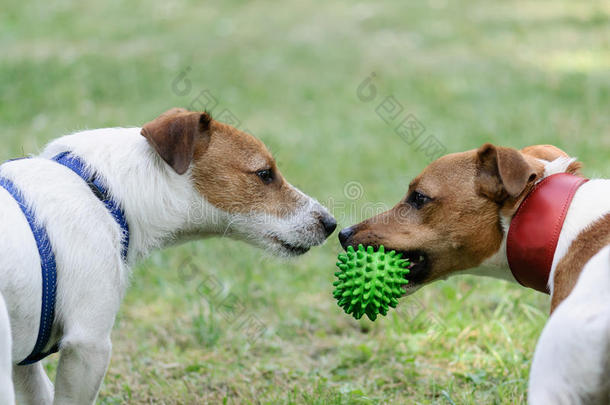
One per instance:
[(381, 275)]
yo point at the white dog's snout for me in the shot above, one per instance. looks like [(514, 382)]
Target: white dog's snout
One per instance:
[(319, 217), (327, 222)]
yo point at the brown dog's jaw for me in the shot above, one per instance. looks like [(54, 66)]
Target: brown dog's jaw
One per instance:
[(419, 268)]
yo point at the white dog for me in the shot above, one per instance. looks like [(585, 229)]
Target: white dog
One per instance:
[(181, 176)]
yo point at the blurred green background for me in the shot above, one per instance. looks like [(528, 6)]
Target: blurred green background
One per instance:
[(220, 322)]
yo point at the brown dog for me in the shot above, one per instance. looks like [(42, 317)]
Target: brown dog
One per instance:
[(481, 212)]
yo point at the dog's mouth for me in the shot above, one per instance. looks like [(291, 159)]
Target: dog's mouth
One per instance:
[(289, 248), (419, 267)]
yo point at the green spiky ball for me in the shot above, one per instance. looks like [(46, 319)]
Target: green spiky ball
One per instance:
[(369, 282)]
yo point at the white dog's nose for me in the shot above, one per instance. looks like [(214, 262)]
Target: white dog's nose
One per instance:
[(329, 223)]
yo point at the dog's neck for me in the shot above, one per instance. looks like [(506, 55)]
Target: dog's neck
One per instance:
[(162, 207), (497, 265)]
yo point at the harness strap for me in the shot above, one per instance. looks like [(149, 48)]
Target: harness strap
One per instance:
[(45, 249), (75, 164), (49, 276)]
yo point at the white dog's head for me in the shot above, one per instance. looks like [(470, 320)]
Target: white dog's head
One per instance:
[(235, 173)]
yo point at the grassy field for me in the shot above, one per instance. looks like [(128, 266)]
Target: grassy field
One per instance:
[(220, 322)]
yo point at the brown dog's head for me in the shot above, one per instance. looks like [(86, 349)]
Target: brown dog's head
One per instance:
[(455, 212), (234, 173)]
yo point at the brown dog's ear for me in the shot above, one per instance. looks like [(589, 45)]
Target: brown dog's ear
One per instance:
[(173, 135), (503, 172)]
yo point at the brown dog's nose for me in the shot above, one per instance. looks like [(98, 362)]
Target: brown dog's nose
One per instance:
[(344, 236), (329, 223)]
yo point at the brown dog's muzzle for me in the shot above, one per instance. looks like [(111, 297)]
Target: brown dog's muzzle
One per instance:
[(362, 234), (345, 235)]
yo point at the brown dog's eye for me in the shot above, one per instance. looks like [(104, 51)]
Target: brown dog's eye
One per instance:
[(265, 175), (418, 200)]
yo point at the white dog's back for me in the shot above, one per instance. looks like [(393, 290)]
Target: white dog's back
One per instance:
[(575, 343)]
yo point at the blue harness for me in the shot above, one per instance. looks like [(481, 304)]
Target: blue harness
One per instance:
[(45, 249)]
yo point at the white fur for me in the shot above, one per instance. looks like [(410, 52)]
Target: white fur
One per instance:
[(559, 165), (7, 396), (590, 203), (572, 363), (162, 208)]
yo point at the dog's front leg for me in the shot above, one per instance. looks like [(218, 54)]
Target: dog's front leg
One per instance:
[(7, 395), (32, 385), (81, 369)]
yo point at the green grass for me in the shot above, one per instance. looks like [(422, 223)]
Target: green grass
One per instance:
[(512, 73)]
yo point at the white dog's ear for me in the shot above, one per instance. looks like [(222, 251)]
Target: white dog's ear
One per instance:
[(502, 172), (174, 134)]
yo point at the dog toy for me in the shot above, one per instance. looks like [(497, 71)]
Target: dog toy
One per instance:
[(369, 282)]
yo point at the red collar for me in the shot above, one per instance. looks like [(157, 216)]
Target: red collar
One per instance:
[(534, 230)]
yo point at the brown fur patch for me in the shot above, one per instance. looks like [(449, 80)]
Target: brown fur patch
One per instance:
[(544, 152), (224, 172), (225, 162), (173, 135), (503, 172), (590, 241)]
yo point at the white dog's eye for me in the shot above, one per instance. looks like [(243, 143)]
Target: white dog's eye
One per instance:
[(265, 175), (418, 200)]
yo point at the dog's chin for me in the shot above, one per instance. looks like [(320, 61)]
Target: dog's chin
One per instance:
[(288, 250), (411, 288), (282, 248)]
